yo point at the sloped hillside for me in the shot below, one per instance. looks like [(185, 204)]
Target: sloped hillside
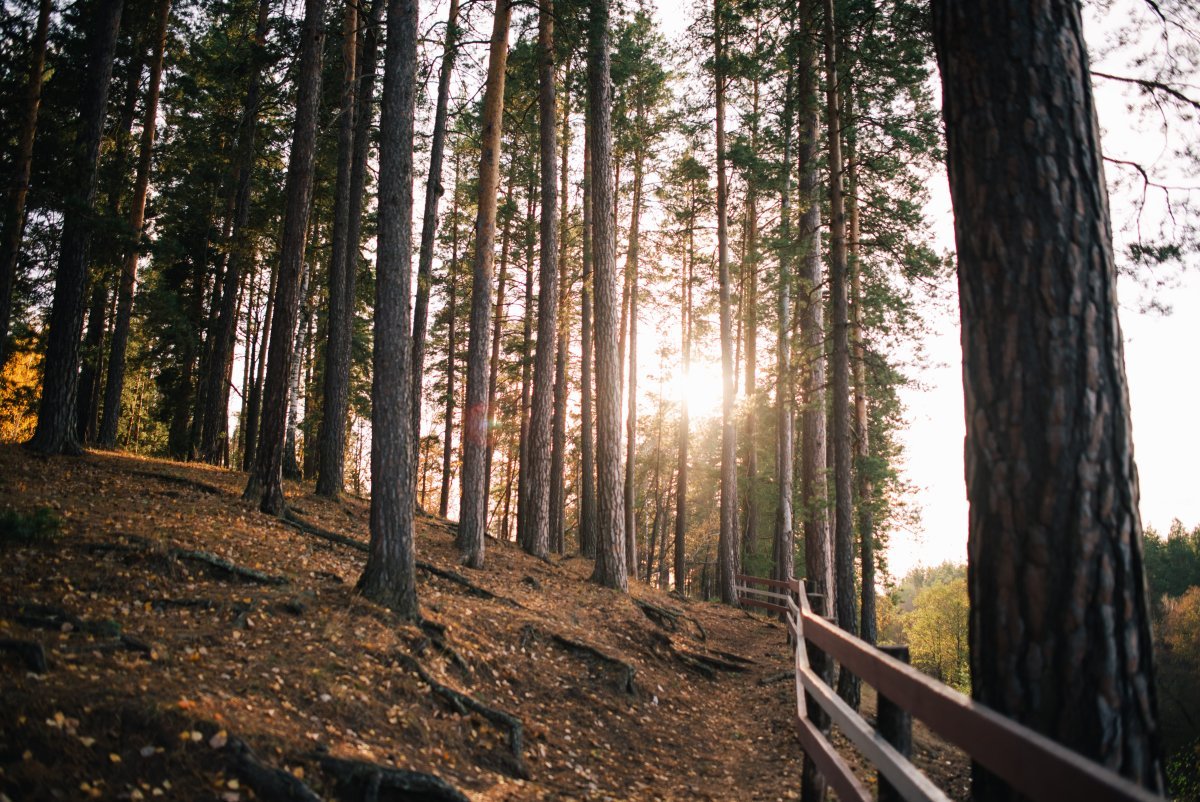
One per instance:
[(162, 638)]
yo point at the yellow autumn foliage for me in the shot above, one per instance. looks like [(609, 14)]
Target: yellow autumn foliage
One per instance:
[(20, 387)]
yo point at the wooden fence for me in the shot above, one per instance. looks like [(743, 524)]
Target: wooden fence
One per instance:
[(1031, 763)]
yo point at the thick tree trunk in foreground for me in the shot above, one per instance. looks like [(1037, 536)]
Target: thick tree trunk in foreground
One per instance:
[(429, 219), (115, 383), (541, 420), (224, 335), (1060, 624), (846, 607), (55, 433), (473, 516), (727, 543), (266, 478), (610, 540), (389, 577), (14, 210), (343, 260)]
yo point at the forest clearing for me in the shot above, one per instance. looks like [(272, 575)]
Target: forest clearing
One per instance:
[(146, 647)]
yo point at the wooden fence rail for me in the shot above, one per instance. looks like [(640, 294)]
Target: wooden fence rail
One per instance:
[(1031, 763)]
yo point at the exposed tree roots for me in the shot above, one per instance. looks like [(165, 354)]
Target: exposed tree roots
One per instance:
[(669, 619), (192, 484), (463, 704), (268, 783), (369, 782), (625, 672), (225, 566)]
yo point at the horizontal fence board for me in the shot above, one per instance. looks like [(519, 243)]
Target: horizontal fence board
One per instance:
[(906, 778), (747, 579), (830, 764), (1030, 762), (777, 608)]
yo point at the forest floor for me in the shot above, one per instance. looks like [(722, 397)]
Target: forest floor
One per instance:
[(196, 649)]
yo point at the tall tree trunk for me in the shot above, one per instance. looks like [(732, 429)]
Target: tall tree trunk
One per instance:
[(224, 334), (451, 347), (343, 260), (631, 274), (681, 472), (558, 447), (542, 422), (526, 368), (254, 402), (814, 489), (115, 382), (846, 607), (783, 543), (610, 541), (864, 483), (266, 479), (494, 360), (750, 317), (1055, 538), (587, 347), (14, 210), (473, 517), (291, 467), (727, 556), (55, 433), (429, 219), (389, 577)]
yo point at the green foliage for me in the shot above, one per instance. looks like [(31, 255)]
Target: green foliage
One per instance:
[(937, 633), (38, 527), (1172, 563)]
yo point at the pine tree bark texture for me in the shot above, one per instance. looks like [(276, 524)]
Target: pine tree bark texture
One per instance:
[(389, 577), (558, 451), (727, 539), (343, 259), (587, 348), (119, 344), (845, 603), (631, 273), (541, 421), (610, 568), (473, 516), (224, 335), (783, 543), (1060, 623), (55, 433), (18, 191), (265, 484), (429, 218)]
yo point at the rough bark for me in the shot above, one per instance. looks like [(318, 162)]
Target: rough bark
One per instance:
[(587, 347), (55, 433), (783, 542), (343, 260), (14, 209), (451, 348), (265, 484), (541, 421), (631, 274), (429, 218), (846, 607), (558, 446), (727, 539), (526, 367), (1060, 623), (610, 541), (473, 517), (115, 382), (389, 576)]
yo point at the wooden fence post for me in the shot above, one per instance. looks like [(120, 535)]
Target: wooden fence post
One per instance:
[(894, 724)]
